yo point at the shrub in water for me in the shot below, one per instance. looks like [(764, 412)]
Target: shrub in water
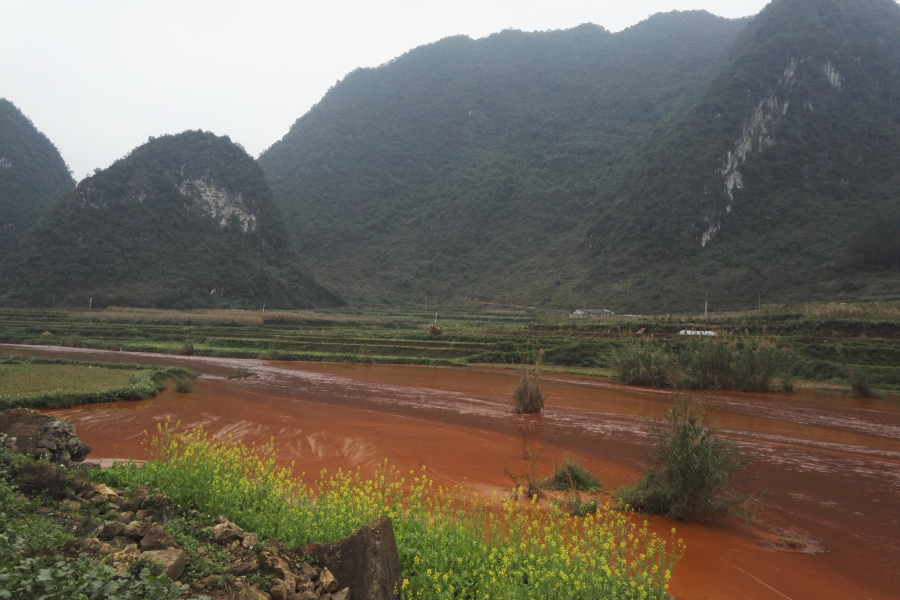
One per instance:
[(184, 385), (859, 384), (528, 397), (572, 476), (692, 471)]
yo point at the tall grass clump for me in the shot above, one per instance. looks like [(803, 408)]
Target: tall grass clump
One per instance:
[(859, 384), (450, 545), (701, 364), (640, 362), (571, 476), (692, 471), (528, 396)]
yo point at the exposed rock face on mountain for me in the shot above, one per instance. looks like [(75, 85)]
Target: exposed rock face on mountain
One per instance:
[(781, 178), (183, 221), (33, 175)]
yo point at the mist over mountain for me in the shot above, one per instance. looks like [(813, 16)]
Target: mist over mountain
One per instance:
[(33, 175), (687, 155), (183, 221)]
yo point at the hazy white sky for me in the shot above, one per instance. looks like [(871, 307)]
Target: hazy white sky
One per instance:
[(100, 76)]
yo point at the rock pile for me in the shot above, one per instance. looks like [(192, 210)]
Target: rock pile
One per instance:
[(132, 535), (367, 560), (118, 530), (42, 436)]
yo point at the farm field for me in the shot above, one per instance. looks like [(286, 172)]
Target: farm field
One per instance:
[(821, 344)]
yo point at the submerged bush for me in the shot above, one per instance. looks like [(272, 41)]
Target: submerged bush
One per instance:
[(572, 476), (859, 384), (183, 385), (528, 397), (692, 471), (450, 545)]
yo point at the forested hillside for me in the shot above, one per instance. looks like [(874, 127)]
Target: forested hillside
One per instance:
[(183, 221), (469, 167), (781, 179), (33, 176), (685, 156)]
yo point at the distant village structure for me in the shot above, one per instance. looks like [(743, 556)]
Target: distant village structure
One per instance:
[(590, 313)]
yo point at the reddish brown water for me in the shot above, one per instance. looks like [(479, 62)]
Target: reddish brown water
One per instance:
[(830, 464)]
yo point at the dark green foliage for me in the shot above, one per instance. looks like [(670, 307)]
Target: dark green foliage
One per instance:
[(859, 384), (571, 476), (692, 471), (818, 178), (183, 221), (743, 365), (469, 167), (33, 175), (32, 532), (580, 166), (183, 385)]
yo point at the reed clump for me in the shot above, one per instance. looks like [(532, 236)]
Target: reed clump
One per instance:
[(859, 384), (740, 365), (571, 476), (692, 471)]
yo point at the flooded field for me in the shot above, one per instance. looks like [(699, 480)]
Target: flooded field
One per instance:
[(830, 465)]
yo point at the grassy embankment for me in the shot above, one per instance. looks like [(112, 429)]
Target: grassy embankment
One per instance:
[(33, 382), (826, 343)]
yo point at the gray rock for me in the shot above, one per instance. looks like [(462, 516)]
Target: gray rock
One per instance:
[(135, 530), (366, 561), (344, 594), (157, 539), (137, 497), (110, 530), (172, 561), (42, 436), (226, 532)]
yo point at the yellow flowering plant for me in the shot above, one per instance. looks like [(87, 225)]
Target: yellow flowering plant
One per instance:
[(451, 545)]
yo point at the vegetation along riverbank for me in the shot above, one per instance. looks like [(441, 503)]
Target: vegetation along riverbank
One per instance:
[(825, 343)]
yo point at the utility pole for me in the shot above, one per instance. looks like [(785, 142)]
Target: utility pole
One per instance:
[(91, 302), (706, 306)]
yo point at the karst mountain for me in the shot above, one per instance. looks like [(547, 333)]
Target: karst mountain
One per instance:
[(684, 157), (183, 221)]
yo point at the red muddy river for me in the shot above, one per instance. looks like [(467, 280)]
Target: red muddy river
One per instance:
[(830, 465)]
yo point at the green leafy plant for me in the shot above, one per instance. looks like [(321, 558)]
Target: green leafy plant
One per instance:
[(692, 471)]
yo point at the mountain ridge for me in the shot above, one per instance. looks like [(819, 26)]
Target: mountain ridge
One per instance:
[(183, 221)]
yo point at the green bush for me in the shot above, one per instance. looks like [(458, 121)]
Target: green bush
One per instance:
[(692, 471), (58, 578), (572, 476), (859, 384), (740, 365)]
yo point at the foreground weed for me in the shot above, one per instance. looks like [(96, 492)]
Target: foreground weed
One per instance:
[(450, 545)]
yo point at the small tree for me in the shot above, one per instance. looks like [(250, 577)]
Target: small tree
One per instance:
[(692, 470)]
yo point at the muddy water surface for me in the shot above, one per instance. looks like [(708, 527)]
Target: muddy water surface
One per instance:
[(830, 465)]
